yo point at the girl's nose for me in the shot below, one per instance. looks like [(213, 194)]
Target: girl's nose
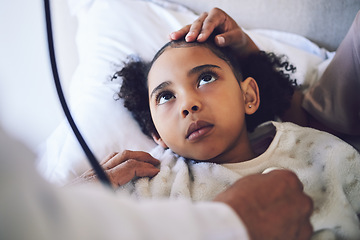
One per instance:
[(191, 105), (192, 109)]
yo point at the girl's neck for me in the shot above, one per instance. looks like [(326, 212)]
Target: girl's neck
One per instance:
[(241, 151)]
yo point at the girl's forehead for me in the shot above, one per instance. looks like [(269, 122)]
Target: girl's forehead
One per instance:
[(185, 54), (178, 62), (189, 48)]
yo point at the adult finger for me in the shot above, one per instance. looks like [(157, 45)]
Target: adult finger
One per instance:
[(196, 28), (130, 169), (297, 212), (215, 19), (180, 33), (108, 158), (298, 223), (306, 231), (89, 173), (235, 38), (140, 156), (141, 169), (190, 31), (127, 154)]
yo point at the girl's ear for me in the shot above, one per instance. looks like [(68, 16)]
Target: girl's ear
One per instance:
[(158, 140), (251, 95)]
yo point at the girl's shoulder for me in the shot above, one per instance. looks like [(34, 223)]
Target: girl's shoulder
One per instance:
[(310, 139)]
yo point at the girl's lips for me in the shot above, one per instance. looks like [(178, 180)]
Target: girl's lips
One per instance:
[(198, 129)]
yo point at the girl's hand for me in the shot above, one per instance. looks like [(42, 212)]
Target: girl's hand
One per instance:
[(122, 168), (230, 33)]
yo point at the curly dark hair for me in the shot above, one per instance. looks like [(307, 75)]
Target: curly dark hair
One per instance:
[(276, 88), (271, 73)]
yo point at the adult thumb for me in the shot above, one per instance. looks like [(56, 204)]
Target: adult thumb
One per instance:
[(233, 38)]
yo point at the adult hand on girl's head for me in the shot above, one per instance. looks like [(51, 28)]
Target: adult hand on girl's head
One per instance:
[(230, 34), (122, 168), (272, 205)]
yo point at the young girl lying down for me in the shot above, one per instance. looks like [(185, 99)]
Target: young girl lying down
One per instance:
[(203, 107)]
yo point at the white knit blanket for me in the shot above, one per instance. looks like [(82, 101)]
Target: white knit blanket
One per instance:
[(181, 178), (328, 167)]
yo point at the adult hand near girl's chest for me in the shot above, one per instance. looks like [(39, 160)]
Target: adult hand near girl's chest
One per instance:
[(121, 168)]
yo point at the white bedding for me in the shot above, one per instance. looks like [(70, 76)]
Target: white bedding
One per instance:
[(110, 30)]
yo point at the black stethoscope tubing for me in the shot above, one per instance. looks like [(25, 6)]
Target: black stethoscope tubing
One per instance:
[(90, 156)]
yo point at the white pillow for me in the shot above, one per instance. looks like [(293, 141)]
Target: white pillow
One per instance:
[(109, 31)]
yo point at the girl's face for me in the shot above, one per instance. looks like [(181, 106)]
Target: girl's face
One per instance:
[(198, 106)]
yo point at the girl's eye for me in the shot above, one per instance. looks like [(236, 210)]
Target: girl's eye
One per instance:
[(207, 78), (164, 97)]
